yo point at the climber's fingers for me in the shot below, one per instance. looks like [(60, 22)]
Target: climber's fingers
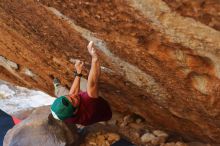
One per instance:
[(90, 45)]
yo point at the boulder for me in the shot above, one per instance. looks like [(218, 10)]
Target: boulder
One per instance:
[(160, 58), (41, 129)]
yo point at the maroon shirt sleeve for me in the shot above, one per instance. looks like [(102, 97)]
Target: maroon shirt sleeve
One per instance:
[(91, 110)]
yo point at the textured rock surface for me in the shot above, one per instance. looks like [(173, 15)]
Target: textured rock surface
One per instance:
[(156, 62), (38, 130), (206, 11)]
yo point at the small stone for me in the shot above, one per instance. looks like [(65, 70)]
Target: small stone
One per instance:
[(158, 140), (123, 124), (147, 137), (174, 144), (103, 123), (112, 122), (100, 139), (136, 126), (160, 133), (107, 143), (168, 144), (181, 144), (127, 119), (92, 143), (137, 135), (112, 137)]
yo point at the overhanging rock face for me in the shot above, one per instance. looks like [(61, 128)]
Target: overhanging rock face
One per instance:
[(156, 62)]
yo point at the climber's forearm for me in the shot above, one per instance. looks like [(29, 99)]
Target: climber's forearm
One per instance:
[(94, 71), (75, 86)]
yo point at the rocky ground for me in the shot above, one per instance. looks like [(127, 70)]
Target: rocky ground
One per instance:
[(133, 128)]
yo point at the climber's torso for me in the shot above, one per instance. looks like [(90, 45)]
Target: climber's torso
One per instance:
[(91, 110)]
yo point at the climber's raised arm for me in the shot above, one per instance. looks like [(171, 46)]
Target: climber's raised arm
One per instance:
[(75, 88), (94, 73)]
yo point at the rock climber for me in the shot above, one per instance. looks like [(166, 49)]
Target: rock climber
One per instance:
[(77, 107)]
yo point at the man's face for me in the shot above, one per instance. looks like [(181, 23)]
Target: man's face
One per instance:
[(74, 100)]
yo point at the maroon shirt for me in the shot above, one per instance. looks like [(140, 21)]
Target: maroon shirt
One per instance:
[(91, 110)]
